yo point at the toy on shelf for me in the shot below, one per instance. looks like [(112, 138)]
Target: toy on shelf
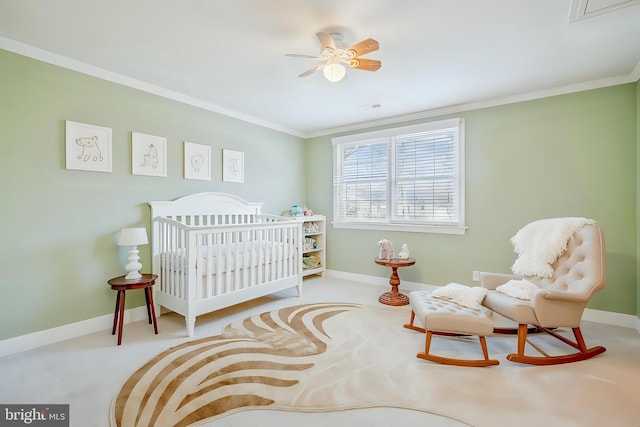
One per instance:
[(310, 244), (297, 210), (310, 228), (311, 261)]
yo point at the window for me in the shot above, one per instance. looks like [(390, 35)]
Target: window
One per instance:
[(409, 178)]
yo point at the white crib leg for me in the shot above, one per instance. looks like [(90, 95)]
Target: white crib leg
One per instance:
[(191, 325), (299, 287)]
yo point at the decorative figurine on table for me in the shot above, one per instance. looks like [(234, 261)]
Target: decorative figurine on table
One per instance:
[(386, 249), (404, 252)]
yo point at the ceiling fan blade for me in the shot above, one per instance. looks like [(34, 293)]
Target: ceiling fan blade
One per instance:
[(365, 64), (326, 40), (296, 55), (312, 70), (364, 47)]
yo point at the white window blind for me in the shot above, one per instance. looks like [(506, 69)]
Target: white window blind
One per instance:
[(410, 176), (363, 189), (426, 173)]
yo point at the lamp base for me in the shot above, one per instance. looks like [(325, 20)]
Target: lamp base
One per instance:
[(133, 266), (133, 275)]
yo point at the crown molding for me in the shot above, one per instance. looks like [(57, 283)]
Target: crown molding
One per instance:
[(632, 77), (81, 67), (580, 8), (635, 74)]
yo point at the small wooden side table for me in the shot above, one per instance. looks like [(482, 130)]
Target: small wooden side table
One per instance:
[(122, 285), (394, 297)]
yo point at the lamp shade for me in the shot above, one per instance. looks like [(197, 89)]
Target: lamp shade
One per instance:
[(133, 237), (334, 72)]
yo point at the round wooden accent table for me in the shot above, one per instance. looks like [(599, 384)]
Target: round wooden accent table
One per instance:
[(122, 285), (394, 297)]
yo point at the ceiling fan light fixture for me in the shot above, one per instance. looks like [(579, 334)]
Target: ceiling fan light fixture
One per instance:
[(334, 57), (334, 72)]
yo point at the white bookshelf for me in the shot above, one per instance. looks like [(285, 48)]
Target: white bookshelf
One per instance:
[(314, 256)]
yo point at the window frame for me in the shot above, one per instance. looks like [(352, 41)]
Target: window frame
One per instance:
[(391, 224)]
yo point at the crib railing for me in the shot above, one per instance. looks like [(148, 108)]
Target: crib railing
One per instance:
[(197, 258)]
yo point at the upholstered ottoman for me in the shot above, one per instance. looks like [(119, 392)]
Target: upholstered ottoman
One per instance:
[(442, 317)]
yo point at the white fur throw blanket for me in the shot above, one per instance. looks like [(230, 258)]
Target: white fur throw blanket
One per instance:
[(540, 243), (466, 296)]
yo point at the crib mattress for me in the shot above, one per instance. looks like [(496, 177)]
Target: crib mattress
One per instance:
[(214, 258)]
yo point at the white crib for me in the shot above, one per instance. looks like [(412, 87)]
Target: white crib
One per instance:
[(214, 250)]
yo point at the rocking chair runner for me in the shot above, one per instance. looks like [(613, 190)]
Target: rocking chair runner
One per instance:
[(559, 303)]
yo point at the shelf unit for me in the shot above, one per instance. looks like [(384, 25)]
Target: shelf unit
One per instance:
[(313, 255)]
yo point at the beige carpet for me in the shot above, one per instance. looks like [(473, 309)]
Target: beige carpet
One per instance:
[(328, 357)]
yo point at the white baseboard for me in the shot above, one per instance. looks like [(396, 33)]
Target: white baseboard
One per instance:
[(611, 318), (378, 281), (590, 315), (72, 330), (102, 323)]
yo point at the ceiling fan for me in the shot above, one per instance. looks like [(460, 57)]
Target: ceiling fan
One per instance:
[(334, 57)]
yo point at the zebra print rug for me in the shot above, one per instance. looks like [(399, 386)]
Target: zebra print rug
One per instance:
[(312, 358)]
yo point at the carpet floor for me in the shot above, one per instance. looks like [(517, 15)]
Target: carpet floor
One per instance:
[(339, 356), (88, 371)]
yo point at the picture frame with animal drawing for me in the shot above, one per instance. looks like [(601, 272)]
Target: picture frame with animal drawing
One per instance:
[(88, 147), (197, 161), (232, 166), (148, 154)]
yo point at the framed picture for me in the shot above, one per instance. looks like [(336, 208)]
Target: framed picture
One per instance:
[(88, 147), (148, 154), (197, 161), (232, 166)]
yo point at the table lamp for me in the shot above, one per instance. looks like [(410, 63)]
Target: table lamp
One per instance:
[(133, 237)]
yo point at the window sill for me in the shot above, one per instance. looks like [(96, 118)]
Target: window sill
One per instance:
[(405, 228)]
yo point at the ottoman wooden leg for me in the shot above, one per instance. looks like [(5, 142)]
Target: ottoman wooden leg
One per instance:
[(457, 362), (411, 326)]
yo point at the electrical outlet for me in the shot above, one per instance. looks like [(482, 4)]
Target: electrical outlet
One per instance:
[(476, 276)]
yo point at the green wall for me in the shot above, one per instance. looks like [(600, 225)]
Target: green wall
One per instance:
[(570, 155), (59, 227)]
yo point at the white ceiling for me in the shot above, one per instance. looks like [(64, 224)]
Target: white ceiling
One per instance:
[(437, 55)]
